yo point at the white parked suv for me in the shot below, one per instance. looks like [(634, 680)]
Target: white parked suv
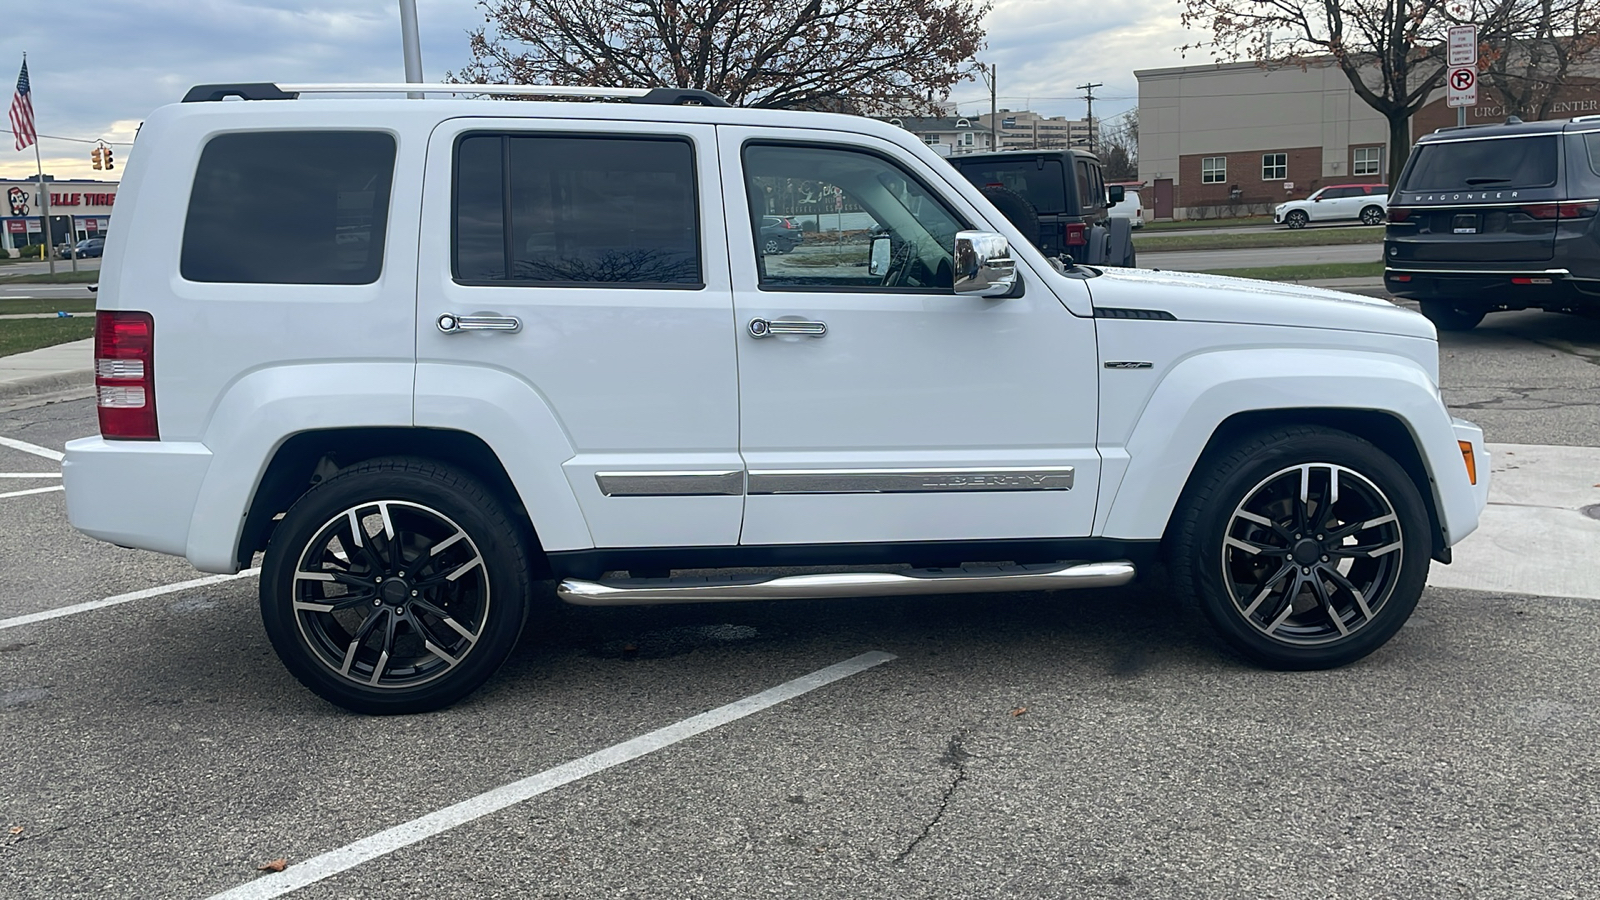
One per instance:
[(426, 353), (1364, 203)]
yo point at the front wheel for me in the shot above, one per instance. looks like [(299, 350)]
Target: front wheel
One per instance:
[(1449, 316), (1296, 218), (397, 586), (1305, 547), (1372, 215)]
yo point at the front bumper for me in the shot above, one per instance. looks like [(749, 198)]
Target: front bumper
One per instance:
[(1470, 434)]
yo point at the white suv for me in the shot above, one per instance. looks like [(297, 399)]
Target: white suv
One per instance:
[(1364, 203), (426, 353)]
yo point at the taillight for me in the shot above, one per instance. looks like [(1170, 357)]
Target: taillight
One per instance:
[(1399, 214), (1561, 210), (1077, 234), (124, 375)]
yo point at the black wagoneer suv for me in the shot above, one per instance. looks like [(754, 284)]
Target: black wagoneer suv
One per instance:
[(1498, 217)]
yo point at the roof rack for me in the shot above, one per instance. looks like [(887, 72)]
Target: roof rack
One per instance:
[(207, 93)]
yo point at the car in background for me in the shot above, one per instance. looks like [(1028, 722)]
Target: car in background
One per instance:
[(1058, 199), (779, 234), (1498, 217), (90, 247), (1131, 208), (1364, 203)]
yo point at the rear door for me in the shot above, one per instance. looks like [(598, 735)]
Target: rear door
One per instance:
[(1479, 200), (604, 244)]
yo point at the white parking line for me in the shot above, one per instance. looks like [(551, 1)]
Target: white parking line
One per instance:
[(35, 449), (389, 840), (30, 474), (43, 490), (76, 608)]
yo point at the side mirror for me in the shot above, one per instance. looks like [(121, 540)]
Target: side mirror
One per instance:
[(1117, 193), (878, 260), (1316, 199), (983, 264)]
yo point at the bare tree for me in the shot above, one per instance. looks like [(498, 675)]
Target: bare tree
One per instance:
[(1119, 146), (816, 54), (1528, 51)]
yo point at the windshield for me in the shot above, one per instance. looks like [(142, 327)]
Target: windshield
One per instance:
[(1493, 164)]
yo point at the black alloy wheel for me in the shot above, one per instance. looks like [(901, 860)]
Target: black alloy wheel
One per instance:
[(1306, 548), (396, 586), (1447, 315), (1372, 215), (1296, 218)]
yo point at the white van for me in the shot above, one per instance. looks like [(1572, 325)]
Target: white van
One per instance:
[(1130, 208)]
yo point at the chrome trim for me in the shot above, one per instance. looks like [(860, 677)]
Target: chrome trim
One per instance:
[(909, 481), (1517, 272), (508, 90), (450, 323), (1128, 364), (967, 580), (1468, 204), (722, 482), (760, 328)]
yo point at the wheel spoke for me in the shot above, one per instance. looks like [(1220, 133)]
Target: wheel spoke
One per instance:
[(1254, 549), (1288, 603), (1339, 579), (445, 617), (357, 639), (1369, 551), (390, 624), (446, 544), (1321, 590), (1266, 588)]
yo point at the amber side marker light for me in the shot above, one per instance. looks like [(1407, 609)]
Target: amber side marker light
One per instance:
[(1466, 456)]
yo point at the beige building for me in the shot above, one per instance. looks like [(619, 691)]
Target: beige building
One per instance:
[(83, 206), (1026, 130), (1238, 139)]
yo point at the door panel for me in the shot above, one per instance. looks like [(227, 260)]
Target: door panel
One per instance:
[(918, 414), (622, 301)]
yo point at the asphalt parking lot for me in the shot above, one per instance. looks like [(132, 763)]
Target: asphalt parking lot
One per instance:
[(1091, 744)]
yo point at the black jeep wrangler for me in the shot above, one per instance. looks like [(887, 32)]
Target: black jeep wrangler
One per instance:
[(1058, 199)]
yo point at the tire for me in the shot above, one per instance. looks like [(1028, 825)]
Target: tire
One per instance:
[(1131, 261), (1283, 586), (1296, 218), (353, 637), (771, 247), (1017, 210), (1449, 316), (1372, 215)]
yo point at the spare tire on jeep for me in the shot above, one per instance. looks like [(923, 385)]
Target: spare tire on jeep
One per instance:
[(1017, 210)]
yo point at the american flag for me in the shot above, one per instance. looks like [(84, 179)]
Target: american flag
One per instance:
[(22, 111)]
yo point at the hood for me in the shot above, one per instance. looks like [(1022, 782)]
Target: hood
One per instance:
[(1218, 298)]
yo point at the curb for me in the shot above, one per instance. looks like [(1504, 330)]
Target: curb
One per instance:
[(51, 388)]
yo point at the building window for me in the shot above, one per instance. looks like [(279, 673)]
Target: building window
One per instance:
[(1367, 161), (1213, 169), (932, 140), (1274, 167), (966, 139)]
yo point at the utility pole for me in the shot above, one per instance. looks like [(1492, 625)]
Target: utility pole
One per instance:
[(1088, 97), (994, 114)]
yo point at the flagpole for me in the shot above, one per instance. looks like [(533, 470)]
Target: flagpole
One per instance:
[(44, 195)]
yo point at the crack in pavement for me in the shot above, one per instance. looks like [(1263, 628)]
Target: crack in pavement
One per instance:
[(955, 756)]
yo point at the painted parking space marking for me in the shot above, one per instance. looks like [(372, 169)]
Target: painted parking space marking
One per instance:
[(389, 840), (30, 474), (35, 449), (30, 618), (43, 490)]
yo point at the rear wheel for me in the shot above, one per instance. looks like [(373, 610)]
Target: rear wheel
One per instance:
[(1296, 218), (1306, 548), (1372, 215), (1451, 316), (397, 586)]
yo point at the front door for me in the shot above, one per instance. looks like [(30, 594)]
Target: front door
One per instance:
[(875, 404), (582, 268)]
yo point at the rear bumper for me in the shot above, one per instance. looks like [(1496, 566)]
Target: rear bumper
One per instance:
[(134, 493), (1534, 287)]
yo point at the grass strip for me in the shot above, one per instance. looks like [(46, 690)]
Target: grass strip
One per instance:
[(1320, 237), (1313, 272), (10, 305), (1187, 224), (87, 275), (22, 335)]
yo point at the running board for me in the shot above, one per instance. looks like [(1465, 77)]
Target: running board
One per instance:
[(965, 580)]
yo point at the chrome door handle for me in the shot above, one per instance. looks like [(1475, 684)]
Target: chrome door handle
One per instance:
[(450, 323), (760, 328)]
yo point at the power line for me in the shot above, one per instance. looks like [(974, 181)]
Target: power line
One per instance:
[(1088, 96), (57, 137)]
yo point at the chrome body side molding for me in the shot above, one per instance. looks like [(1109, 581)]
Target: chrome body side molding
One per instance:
[(671, 484), (965, 580), (906, 481)]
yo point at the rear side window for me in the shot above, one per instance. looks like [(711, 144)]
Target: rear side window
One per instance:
[(546, 209), (1040, 181), (1485, 165), (289, 207)]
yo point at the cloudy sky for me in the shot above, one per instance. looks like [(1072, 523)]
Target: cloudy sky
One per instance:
[(98, 67)]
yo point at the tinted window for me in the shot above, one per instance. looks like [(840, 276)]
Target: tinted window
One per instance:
[(583, 210), (289, 207), (1592, 142), (1524, 162), (859, 198), (1040, 181), (1085, 186)]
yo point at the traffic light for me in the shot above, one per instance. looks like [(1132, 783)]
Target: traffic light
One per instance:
[(106, 155), (96, 158)]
